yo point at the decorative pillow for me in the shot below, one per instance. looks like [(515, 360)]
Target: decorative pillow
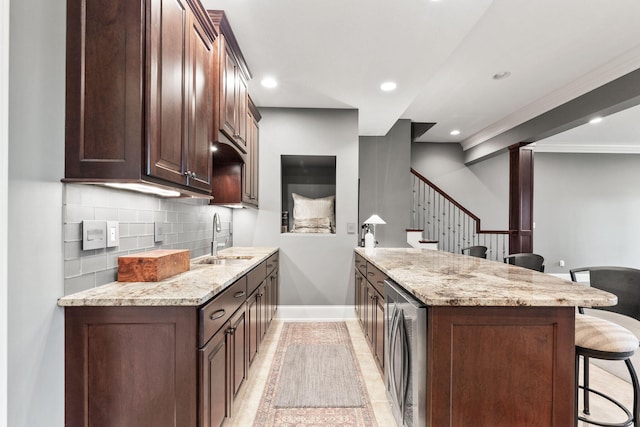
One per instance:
[(319, 210)]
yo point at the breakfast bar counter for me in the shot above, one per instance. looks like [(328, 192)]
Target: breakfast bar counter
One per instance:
[(439, 278), (499, 338)]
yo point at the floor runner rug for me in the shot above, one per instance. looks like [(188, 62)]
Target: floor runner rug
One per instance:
[(315, 380)]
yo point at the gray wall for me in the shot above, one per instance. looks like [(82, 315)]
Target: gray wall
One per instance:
[(385, 183), (188, 224), (586, 209), (314, 269), (36, 164), (482, 188), (4, 190)]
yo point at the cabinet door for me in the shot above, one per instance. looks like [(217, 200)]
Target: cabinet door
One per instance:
[(268, 299), (214, 401), (253, 319), (227, 90), (263, 302), (199, 156), (247, 168), (105, 67), (238, 347), (275, 292), (364, 304), (168, 84), (254, 133), (371, 315), (357, 296), (241, 111), (379, 331)]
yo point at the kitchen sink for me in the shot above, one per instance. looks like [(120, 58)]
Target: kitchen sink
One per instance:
[(222, 260)]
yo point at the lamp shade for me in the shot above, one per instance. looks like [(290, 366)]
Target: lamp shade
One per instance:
[(374, 219)]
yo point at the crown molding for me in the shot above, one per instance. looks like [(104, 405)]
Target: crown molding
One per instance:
[(587, 148)]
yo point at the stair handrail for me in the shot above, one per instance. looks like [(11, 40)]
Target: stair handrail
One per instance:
[(459, 206)]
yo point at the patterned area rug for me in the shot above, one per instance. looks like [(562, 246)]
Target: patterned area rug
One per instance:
[(315, 380)]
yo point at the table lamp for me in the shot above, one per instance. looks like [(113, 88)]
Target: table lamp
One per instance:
[(369, 238)]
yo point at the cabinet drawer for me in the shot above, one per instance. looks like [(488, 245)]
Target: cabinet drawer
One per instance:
[(215, 313), (272, 263), (256, 276), (361, 264), (376, 278)]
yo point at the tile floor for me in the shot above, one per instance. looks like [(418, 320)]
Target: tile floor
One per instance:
[(249, 399)]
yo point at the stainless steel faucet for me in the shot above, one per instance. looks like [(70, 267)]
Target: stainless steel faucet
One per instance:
[(217, 227)]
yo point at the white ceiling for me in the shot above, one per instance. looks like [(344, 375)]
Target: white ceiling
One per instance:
[(442, 54)]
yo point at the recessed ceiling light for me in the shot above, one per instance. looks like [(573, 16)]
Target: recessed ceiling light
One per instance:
[(388, 86), (501, 75), (454, 132), (595, 120), (269, 82)]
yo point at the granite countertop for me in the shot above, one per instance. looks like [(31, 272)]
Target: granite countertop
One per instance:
[(440, 278), (191, 288)]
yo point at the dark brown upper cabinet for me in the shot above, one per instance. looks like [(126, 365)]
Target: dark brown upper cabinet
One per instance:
[(235, 164), (139, 93), (232, 75), (250, 170)]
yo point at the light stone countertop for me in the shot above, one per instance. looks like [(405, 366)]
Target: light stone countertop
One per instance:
[(440, 278), (191, 288)]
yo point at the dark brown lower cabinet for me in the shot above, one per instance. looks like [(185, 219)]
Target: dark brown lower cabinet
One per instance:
[(369, 307), (165, 366), (257, 319), (500, 366), (253, 319), (361, 298), (131, 366), (378, 347), (214, 381), (224, 368)]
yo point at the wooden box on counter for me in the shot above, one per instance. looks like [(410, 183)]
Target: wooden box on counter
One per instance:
[(152, 266)]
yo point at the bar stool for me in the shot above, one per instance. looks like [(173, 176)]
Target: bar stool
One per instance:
[(476, 251), (526, 260), (602, 339)]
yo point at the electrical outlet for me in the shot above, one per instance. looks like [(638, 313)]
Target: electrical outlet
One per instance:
[(561, 263)]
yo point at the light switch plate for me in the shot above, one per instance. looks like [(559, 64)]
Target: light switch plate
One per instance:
[(159, 231), (351, 228), (113, 234), (94, 235)]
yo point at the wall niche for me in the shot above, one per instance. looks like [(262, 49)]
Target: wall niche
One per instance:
[(308, 194)]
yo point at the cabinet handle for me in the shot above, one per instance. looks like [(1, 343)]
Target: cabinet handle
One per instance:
[(370, 273), (269, 265), (239, 294), (193, 175), (217, 314), (231, 331), (187, 173), (260, 295)]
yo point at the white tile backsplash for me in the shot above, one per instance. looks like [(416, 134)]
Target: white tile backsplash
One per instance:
[(189, 225)]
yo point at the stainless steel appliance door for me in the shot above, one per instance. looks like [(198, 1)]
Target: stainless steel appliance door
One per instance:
[(405, 351)]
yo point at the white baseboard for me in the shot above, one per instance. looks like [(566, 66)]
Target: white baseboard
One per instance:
[(322, 313)]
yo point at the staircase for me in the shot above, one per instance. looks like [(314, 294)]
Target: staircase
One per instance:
[(444, 220)]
